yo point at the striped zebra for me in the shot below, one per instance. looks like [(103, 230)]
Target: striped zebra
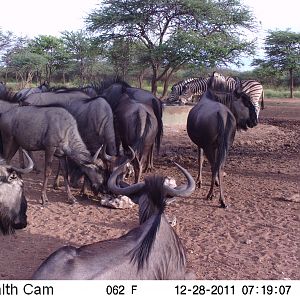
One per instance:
[(177, 89), (251, 87)]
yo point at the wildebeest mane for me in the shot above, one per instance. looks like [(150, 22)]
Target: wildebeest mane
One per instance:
[(88, 100), (153, 206), (9, 96), (100, 86), (63, 89)]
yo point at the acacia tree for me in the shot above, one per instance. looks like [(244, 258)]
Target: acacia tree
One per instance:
[(82, 50), (52, 49), (173, 33), (25, 64), (282, 51)]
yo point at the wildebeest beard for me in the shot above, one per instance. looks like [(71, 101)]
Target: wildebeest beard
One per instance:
[(6, 223)]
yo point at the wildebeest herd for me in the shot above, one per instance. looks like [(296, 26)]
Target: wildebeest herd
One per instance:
[(94, 137)]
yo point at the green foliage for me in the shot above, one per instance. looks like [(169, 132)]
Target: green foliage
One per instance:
[(174, 33), (283, 50), (279, 93)]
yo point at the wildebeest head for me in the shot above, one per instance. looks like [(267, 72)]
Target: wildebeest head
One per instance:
[(238, 101), (152, 195), (96, 173), (13, 204), (139, 191), (243, 109)]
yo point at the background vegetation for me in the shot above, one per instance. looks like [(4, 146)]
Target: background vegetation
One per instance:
[(154, 45)]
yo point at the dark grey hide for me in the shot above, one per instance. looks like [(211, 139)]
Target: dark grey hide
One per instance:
[(95, 122), (24, 93), (150, 251), (13, 204), (96, 126), (137, 125), (112, 92), (65, 96), (211, 125), (53, 130)]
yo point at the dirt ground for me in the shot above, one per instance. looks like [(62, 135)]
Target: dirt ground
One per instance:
[(257, 237)]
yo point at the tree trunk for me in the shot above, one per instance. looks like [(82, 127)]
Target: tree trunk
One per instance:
[(154, 81), (291, 84), (166, 84), (141, 78)]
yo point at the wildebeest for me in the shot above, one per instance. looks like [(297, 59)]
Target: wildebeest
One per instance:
[(64, 95), (137, 126), (53, 130), (113, 90), (150, 251), (13, 204), (94, 118), (24, 93), (211, 125)]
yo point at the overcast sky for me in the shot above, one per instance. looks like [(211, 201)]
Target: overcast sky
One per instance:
[(35, 17)]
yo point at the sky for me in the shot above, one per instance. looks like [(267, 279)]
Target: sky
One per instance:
[(35, 17)]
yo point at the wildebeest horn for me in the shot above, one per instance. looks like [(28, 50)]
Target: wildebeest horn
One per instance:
[(105, 155), (129, 190), (183, 190), (96, 154), (28, 168)]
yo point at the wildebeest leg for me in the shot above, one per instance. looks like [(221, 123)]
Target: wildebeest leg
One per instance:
[(200, 165), (222, 198), (84, 186), (56, 180), (211, 158), (49, 155), (149, 161), (137, 169), (150, 165), (64, 169)]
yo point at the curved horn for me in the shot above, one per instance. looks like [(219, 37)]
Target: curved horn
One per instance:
[(96, 154), (28, 168), (107, 156), (183, 190), (127, 191)]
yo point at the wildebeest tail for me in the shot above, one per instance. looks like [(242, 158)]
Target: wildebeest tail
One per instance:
[(158, 111), (262, 104), (224, 131), (139, 145)]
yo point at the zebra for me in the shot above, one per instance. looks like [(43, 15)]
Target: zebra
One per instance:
[(196, 87), (177, 89), (251, 87)]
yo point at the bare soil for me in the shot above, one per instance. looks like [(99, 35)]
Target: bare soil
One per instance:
[(257, 237)]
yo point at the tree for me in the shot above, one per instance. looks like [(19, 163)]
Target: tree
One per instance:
[(25, 64), (52, 49), (174, 33), (83, 50), (282, 51)]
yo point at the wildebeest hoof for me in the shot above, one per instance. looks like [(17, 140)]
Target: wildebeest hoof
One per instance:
[(55, 186), (223, 205), (72, 200), (209, 196), (44, 200)]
